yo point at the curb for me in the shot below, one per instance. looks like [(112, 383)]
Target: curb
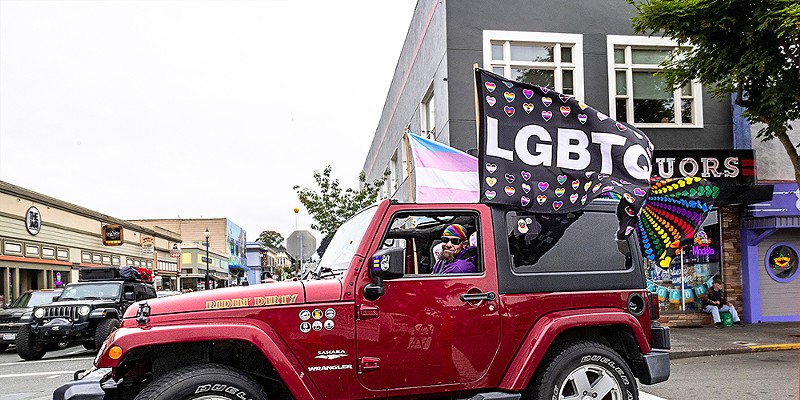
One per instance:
[(677, 355)]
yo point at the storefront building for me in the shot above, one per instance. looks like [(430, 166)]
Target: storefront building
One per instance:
[(226, 261), (44, 241), (770, 251), (262, 261), (714, 251)]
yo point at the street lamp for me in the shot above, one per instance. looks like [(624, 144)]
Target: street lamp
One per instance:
[(207, 234)]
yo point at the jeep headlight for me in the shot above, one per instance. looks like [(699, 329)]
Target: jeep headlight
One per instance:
[(84, 311), (38, 313)]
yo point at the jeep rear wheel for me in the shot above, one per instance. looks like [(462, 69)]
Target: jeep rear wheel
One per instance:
[(581, 370), (28, 348), (104, 328), (205, 381)]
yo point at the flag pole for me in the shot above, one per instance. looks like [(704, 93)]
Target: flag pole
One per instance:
[(408, 167), (477, 113)]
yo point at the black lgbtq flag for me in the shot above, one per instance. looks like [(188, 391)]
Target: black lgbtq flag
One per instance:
[(549, 153)]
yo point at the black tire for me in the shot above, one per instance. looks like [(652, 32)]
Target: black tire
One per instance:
[(28, 348), (202, 380), (575, 368), (89, 345), (104, 328), (3, 347)]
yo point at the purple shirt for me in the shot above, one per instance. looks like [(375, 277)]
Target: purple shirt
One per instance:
[(463, 263)]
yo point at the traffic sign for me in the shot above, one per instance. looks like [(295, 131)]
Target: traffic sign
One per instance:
[(206, 260), (301, 241)]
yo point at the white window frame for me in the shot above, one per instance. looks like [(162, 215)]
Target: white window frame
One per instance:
[(540, 38), (645, 42), (425, 114)]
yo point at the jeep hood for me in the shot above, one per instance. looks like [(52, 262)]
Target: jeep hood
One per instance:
[(94, 303), (262, 295)]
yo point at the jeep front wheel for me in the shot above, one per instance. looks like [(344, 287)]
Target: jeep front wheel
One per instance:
[(28, 348), (104, 328), (204, 381), (580, 370)]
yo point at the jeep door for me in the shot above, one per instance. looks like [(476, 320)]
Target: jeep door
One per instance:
[(421, 332)]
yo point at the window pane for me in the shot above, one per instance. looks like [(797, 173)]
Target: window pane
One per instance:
[(622, 87), (686, 111), (497, 51), (538, 77), (499, 71), (653, 111), (521, 52), (566, 54), (641, 56), (619, 56), (686, 90), (567, 82), (622, 110), (648, 86)]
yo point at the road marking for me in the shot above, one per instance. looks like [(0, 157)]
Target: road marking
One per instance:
[(648, 396), (787, 346), (47, 361), (54, 376), (36, 374)]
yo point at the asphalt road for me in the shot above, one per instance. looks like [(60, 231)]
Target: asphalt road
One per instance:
[(768, 375), (36, 380)]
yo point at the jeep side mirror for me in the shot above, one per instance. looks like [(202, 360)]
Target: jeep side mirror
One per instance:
[(387, 264), (129, 296)]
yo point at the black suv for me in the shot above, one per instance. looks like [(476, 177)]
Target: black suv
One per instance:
[(85, 312), (19, 313)]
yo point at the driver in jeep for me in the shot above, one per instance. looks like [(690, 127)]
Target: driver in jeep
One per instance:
[(457, 256)]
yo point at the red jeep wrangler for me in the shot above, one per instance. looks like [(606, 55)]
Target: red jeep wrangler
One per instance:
[(557, 309)]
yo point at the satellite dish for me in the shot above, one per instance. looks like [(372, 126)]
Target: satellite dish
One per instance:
[(301, 245)]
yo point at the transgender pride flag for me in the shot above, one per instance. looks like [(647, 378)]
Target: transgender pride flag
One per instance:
[(443, 174)]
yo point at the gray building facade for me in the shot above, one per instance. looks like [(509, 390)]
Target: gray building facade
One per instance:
[(598, 48), (587, 49)]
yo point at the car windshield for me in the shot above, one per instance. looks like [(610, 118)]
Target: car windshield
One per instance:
[(33, 299), (91, 291), (344, 244)]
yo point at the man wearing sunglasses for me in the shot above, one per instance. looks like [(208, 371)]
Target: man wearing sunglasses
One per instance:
[(457, 256)]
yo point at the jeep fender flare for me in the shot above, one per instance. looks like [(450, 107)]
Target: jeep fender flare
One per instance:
[(548, 327), (277, 352), (100, 313)]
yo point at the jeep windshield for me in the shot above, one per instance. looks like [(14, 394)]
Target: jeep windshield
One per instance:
[(344, 244), (33, 299), (91, 291)]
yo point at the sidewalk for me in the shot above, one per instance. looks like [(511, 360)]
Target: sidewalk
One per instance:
[(707, 340)]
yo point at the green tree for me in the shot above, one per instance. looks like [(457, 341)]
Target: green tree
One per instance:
[(747, 47), (270, 238), (331, 205)]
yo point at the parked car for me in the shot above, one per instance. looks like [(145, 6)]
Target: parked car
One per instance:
[(19, 312), (86, 312)]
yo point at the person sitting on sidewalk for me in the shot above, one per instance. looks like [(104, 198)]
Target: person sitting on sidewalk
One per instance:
[(716, 301)]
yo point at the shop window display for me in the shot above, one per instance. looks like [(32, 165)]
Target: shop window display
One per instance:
[(685, 282)]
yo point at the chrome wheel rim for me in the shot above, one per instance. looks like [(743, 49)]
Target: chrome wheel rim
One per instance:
[(590, 382)]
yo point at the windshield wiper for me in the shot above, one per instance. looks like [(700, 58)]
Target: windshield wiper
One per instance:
[(91, 298)]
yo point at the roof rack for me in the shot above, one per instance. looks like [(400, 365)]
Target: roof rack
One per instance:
[(92, 274)]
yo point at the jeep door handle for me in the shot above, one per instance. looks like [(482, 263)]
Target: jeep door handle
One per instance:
[(469, 297)]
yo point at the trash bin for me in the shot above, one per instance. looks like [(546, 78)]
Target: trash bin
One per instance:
[(726, 318)]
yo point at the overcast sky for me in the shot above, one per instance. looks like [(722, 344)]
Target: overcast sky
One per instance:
[(166, 109)]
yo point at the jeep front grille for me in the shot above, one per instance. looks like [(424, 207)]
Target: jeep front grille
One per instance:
[(69, 312)]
